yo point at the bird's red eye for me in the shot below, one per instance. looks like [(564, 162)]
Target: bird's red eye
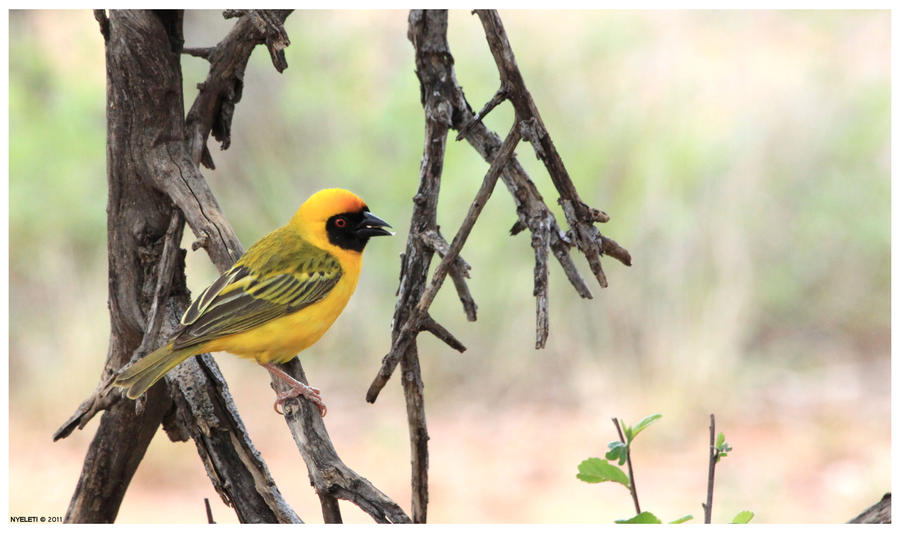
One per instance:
[(340, 222)]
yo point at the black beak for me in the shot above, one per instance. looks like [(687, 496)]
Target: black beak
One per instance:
[(372, 226)]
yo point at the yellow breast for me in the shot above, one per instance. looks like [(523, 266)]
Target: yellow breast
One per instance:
[(282, 339)]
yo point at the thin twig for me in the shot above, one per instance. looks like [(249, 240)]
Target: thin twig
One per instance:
[(203, 53), (580, 216), (102, 398), (495, 100), (331, 509), (213, 108), (414, 394), (431, 325), (209, 516), (481, 198), (428, 33), (416, 259), (100, 15), (631, 485), (458, 272), (711, 478), (541, 280), (413, 323), (166, 268)]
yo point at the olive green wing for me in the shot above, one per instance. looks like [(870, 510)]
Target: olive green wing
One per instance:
[(242, 298)]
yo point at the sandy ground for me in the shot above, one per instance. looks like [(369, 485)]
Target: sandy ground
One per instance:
[(510, 461)]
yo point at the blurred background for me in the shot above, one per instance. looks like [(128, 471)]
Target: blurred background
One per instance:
[(744, 158)]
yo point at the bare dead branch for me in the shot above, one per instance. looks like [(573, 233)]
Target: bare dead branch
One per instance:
[(213, 109), (532, 212), (439, 331), (209, 515), (580, 217), (879, 513), (459, 271), (100, 15), (415, 319), (416, 259), (204, 53), (413, 394), (152, 165), (445, 105), (328, 474), (102, 397), (541, 279), (495, 100), (331, 510)]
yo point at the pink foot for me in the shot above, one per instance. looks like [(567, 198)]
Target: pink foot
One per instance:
[(297, 389), (310, 393)]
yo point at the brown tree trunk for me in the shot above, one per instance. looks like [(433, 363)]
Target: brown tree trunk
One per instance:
[(154, 154), (147, 291), (137, 220)]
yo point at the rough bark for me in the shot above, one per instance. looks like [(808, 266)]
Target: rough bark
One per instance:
[(445, 107), (329, 475), (880, 513), (155, 186), (443, 100)]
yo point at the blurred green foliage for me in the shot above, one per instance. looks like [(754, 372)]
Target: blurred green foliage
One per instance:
[(750, 183)]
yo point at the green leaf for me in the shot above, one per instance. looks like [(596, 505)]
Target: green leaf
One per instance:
[(643, 518), (742, 517), (596, 470), (626, 429), (617, 452), (683, 519), (722, 447), (642, 425)]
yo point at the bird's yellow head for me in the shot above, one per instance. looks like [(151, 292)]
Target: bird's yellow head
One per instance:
[(337, 217)]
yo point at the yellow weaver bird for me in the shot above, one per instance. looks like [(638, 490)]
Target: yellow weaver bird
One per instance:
[(278, 299)]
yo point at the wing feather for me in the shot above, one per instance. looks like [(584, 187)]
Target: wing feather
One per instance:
[(240, 300)]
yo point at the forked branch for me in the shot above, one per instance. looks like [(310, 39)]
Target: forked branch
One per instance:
[(446, 107), (143, 59)]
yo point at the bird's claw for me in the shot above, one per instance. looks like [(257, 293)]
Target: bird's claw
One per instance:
[(310, 393)]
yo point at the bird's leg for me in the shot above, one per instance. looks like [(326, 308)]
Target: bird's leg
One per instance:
[(297, 389)]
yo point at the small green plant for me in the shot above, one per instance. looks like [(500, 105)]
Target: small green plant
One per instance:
[(596, 470)]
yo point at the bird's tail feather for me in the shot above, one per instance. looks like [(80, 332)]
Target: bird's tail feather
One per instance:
[(140, 376)]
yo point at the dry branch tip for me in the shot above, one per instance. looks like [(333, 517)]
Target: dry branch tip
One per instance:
[(203, 53)]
